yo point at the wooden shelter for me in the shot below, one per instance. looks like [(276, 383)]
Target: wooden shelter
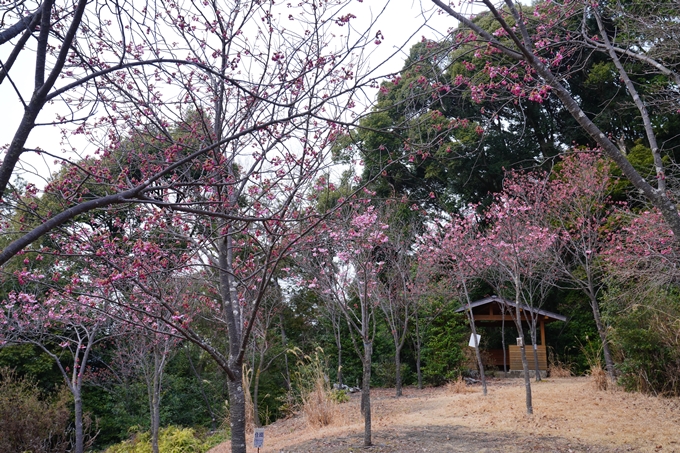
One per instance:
[(493, 311)]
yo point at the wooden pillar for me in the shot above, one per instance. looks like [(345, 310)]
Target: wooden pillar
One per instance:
[(542, 323)]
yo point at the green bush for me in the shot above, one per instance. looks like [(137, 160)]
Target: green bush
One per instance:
[(645, 342), (172, 439), (28, 421), (339, 396), (443, 354)]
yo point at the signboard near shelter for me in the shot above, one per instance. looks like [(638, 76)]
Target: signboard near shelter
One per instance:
[(472, 340), (258, 439)]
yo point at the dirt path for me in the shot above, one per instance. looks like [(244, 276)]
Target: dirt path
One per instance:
[(447, 439), (569, 416)]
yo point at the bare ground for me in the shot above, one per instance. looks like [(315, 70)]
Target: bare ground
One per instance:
[(569, 416)]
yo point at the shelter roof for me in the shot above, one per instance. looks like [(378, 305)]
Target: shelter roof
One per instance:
[(509, 303)]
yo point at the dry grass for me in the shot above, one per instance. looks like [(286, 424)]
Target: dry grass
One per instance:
[(599, 378), (568, 408), (318, 407), (559, 371), (458, 386)]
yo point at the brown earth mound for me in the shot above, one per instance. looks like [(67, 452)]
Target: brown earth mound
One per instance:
[(570, 415)]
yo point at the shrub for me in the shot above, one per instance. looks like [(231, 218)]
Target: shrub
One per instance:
[(593, 354), (30, 422), (556, 368), (445, 344), (339, 396), (311, 393), (458, 386), (172, 439), (645, 341), (318, 406), (599, 377)]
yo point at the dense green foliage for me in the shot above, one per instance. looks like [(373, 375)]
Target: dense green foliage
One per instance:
[(645, 340), (172, 439), (446, 339)]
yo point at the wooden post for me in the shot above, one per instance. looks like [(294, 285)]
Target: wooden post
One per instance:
[(542, 323)]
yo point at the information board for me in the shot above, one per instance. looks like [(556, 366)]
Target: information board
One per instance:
[(258, 439)]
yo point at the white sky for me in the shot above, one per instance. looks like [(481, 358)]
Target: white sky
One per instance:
[(399, 21)]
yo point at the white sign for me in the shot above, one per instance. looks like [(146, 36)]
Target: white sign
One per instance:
[(258, 440), (472, 340)]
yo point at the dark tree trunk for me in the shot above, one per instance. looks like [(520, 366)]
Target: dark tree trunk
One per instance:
[(418, 369), (285, 353), (527, 379), (237, 411)]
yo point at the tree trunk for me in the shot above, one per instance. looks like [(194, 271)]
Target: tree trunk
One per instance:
[(480, 364), (418, 370), (339, 364), (527, 379), (471, 319), (256, 392), (525, 363), (505, 352), (80, 434), (602, 331), (237, 410), (417, 344), (155, 410), (536, 365), (533, 345), (397, 373), (366, 393), (285, 354)]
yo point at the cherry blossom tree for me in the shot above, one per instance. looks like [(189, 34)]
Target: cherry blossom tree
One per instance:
[(64, 327), (217, 120), (452, 249), (527, 55), (146, 352), (395, 283), (642, 305), (515, 249), (266, 346), (533, 191), (347, 274), (121, 76), (642, 252), (580, 207), (136, 269)]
